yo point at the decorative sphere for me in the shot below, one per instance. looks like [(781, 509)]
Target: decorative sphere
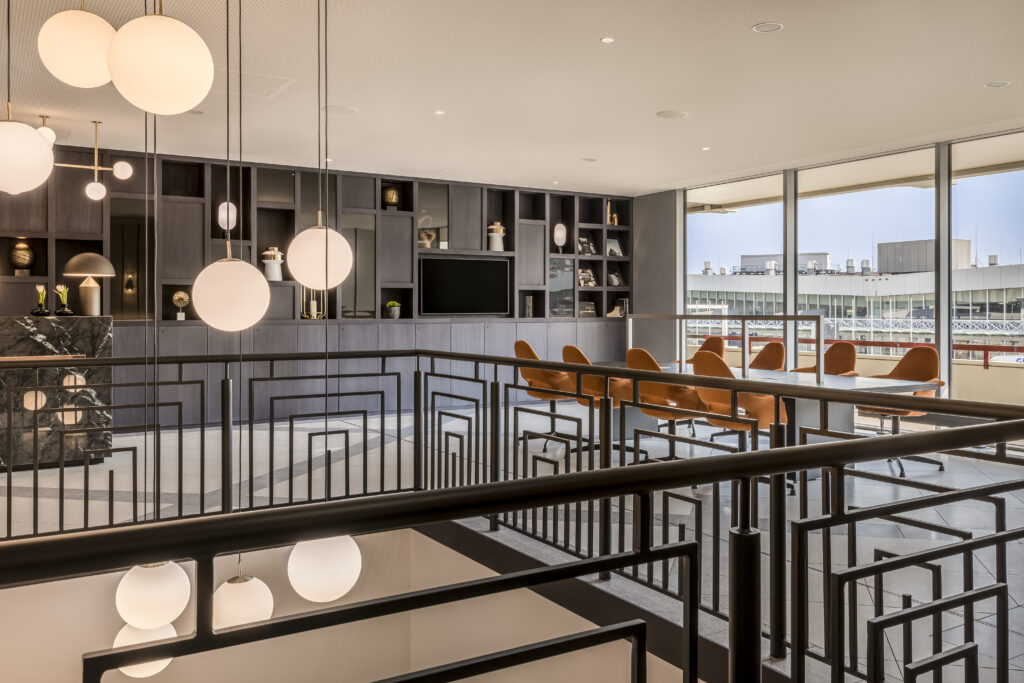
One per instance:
[(73, 46), (150, 596), (47, 134), (123, 170), (227, 215), (95, 190), (129, 635), (26, 158), (22, 255), (319, 258), (231, 295), (160, 65), (34, 400), (325, 569), (241, 600)]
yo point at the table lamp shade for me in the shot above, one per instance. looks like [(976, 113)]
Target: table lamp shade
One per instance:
[(89, 265)]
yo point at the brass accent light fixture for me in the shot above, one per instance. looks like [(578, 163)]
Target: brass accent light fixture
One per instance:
[(96, 190)]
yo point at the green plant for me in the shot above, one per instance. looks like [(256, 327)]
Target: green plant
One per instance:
[(41, 291), (62, 292), (392, 304)]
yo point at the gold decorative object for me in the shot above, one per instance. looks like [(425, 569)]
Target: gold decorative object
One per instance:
[(313, 303), (181, 299), (22, 258), (392, 197), (427, 237), (273, 254), (496, 236)]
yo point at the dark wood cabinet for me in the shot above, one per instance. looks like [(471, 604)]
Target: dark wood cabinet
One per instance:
[(181, 246), (73, 212), (395, 249), (466, 218), (531, 256)]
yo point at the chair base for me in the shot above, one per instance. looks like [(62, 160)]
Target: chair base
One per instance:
[(912, 458)]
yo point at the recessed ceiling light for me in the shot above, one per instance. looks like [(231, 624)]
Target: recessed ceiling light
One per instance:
[(767, 27), (554, 182), (588, 159), (439, 112), (607, 40), (672, 114), (328, 160), (705, 149), (997, 84)]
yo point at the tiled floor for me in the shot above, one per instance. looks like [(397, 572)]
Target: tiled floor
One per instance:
[(44, 513)]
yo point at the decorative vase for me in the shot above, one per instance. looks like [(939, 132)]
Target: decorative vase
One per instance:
[(272, 269), (22, 258), (64, 310), (40, 310), (391, 197), (495, 242), (395, 312)]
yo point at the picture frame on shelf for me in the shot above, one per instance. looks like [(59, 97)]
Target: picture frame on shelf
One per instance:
[(612, 247), (588, 309), (615, 279), (586, 277), (586, 246)]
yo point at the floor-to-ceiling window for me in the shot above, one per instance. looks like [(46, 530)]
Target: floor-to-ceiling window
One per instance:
[(866, 250), (988, 278), (734, 244)]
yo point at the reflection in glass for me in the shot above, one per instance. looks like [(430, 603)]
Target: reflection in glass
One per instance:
[(561, 283)]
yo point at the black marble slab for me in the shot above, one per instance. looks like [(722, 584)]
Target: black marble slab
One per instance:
[(46, 410)]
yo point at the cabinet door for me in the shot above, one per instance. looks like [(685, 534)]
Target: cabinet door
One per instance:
[(394, 253), (531, 260), (181, 238), (72, 210), (465, 229)]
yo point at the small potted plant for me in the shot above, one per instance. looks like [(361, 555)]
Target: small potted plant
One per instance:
[(41, 308), (394, 309), (62, 293)]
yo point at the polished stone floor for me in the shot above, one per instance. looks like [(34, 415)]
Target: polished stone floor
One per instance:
[(190, 482)]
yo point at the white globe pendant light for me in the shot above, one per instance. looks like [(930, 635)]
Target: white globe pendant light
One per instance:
[(319, 258), (122, 170), (152, 595), (95, 190), (160, 65), (26, 158), (231, 295), (129, 635), (48, 133), (73, 46), (325, 569), (241, 600)]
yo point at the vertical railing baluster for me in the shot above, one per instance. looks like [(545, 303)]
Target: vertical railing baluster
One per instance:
[(226, 443), (744, 595)]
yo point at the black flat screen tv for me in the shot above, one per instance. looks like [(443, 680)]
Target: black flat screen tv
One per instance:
[(467, 286)]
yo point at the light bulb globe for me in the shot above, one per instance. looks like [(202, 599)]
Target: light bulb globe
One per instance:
[(95, 190), (26, 158), (227, 215), (152, 595), (160, 65), (325, 569), (48, 134), (129, 635), (320, 258), (123, 170), (231, 295), (73, 46), (241, 600)]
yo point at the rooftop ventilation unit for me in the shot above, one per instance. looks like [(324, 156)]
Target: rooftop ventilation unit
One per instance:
[(993, 259), (851, 266), (865, 266), (707, 268)]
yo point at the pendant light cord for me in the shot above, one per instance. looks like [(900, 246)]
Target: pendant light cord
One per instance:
[(8, 60)]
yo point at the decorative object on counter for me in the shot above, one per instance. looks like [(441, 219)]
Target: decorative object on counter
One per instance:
[(427, 236), (528, 306), (272, 260), (615, 219), (313, 303), (615, 279), (129, 282), (586, 276), (394, 309), (41, 309), (62, 293), (89, 265), (496, 236), (588, 309), (181, 299), (22, 258), (122, 169), (73, 46), (392, 196), (586, 246), (558, 235), (611, 247)]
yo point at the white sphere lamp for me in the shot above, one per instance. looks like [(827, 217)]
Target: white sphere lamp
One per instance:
[(227, 216), (48, 134), (122, 170), (152, 595), (320, 258), (129, 635), (325, 569), (95, 190), (231, 295), (160, 65), (26, 158), (241, 600), (73, 46)]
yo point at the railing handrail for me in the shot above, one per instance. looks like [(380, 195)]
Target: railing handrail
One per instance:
[(945, 406), (69, 555)]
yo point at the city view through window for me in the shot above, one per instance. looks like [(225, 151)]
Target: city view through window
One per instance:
[(865, 243)]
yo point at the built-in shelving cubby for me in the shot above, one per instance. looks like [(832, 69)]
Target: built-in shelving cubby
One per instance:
[(182, 179), (406, 197), (592, 210), (241, 196)]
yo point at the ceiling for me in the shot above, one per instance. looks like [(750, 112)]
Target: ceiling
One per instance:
[(529, 91)]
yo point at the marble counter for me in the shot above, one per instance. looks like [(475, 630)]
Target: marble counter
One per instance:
[(67, 407)]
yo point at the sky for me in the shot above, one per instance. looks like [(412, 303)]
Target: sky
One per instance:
[(988, 210)]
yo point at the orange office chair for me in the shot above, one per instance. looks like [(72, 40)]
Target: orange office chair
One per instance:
[(840, 359), (593, 385), (668, 395), (543, 379), (715, 345), (760, 407), (772, 356), (919, 364)]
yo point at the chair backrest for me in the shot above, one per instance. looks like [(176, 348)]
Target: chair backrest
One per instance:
[(840, 358), (711, 365), (771, 357), (919, 364), (549, 379), (715, 345), (590, 384), (640, 359)]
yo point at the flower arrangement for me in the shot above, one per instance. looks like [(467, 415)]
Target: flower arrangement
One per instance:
[(41, 292), (392, 304), (394, 309), (62, 293)]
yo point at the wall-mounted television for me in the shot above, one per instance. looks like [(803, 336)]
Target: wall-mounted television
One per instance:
[(464, 286)]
